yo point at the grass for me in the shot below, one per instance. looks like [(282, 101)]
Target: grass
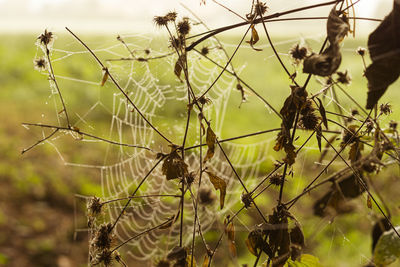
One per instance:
[(42, 185)]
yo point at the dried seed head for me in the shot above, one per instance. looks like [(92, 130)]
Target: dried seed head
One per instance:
[(276, 179), (260, 8), (171, 16), (204, 51), (160, 21), (190, 178), (298, 52), (94, 206), (105, 257), (246, 199), (369, 126), (183, 27), (206, 196), (393, 125), (46, 37), (343, 77), (354, 112), (361, 51), (204, 100), (147, 51), (385, 108), (40, 63), (103, 237), (309, 121)]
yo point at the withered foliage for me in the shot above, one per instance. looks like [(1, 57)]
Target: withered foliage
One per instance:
[(230, 233), (219, 184), (210, 140), (329, 60), (293, 104), (174, 166), (384, 49), (278, 240), (254, 38)]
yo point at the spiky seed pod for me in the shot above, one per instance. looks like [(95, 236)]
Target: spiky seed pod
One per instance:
[(94, 206), (385, 108), (298, 52), (171, 16), (309, 121), (343, 77), (46, 37), (204, 51), (183, 27), (103, 237), (160, 21), (246, 199), (40, 63), (260, 8), (276, 179)]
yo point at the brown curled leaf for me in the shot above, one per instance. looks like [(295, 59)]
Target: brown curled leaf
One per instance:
[(219, 184), (256, 240), (337, 27), (384, 49), (105, 76), (210, 140), (179, 66), (323, 64), (174, 166), (254, 38)]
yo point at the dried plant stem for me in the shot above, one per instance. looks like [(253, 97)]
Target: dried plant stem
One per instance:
[(363, 185), (78, 131), (118, 86), (40, 141), (53, 78), (256, 21)]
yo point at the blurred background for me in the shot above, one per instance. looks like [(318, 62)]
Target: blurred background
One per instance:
[(39, 215)]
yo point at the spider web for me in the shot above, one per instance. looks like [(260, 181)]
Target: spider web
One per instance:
[(154, 90)]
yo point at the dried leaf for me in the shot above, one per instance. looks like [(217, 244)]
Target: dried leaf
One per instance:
[(337, 27), (296, 241), (210, 140), (105, 76), (322, 113), (329, 60), (232, 248), (369, 202), (219, 184), (254, 38), (179, 66), (323, 64), (384, 49), (255, 240), (174, 166)]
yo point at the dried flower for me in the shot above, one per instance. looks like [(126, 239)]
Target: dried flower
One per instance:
[(204, 51), (246, 199), (40, 63), (190, 178), (260, 8), (276, 179), (171, 16), (94, 206), (45, 38), (183, 27), (103, 237), (385, 108), (361, 51), (309, 121), (160, 21), (343, 77), (105, 257), (204, 100), (298, 52)]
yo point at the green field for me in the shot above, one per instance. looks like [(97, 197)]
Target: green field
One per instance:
[(38, 211)]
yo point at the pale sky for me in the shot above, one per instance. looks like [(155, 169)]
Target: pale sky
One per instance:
[(97, 16)]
